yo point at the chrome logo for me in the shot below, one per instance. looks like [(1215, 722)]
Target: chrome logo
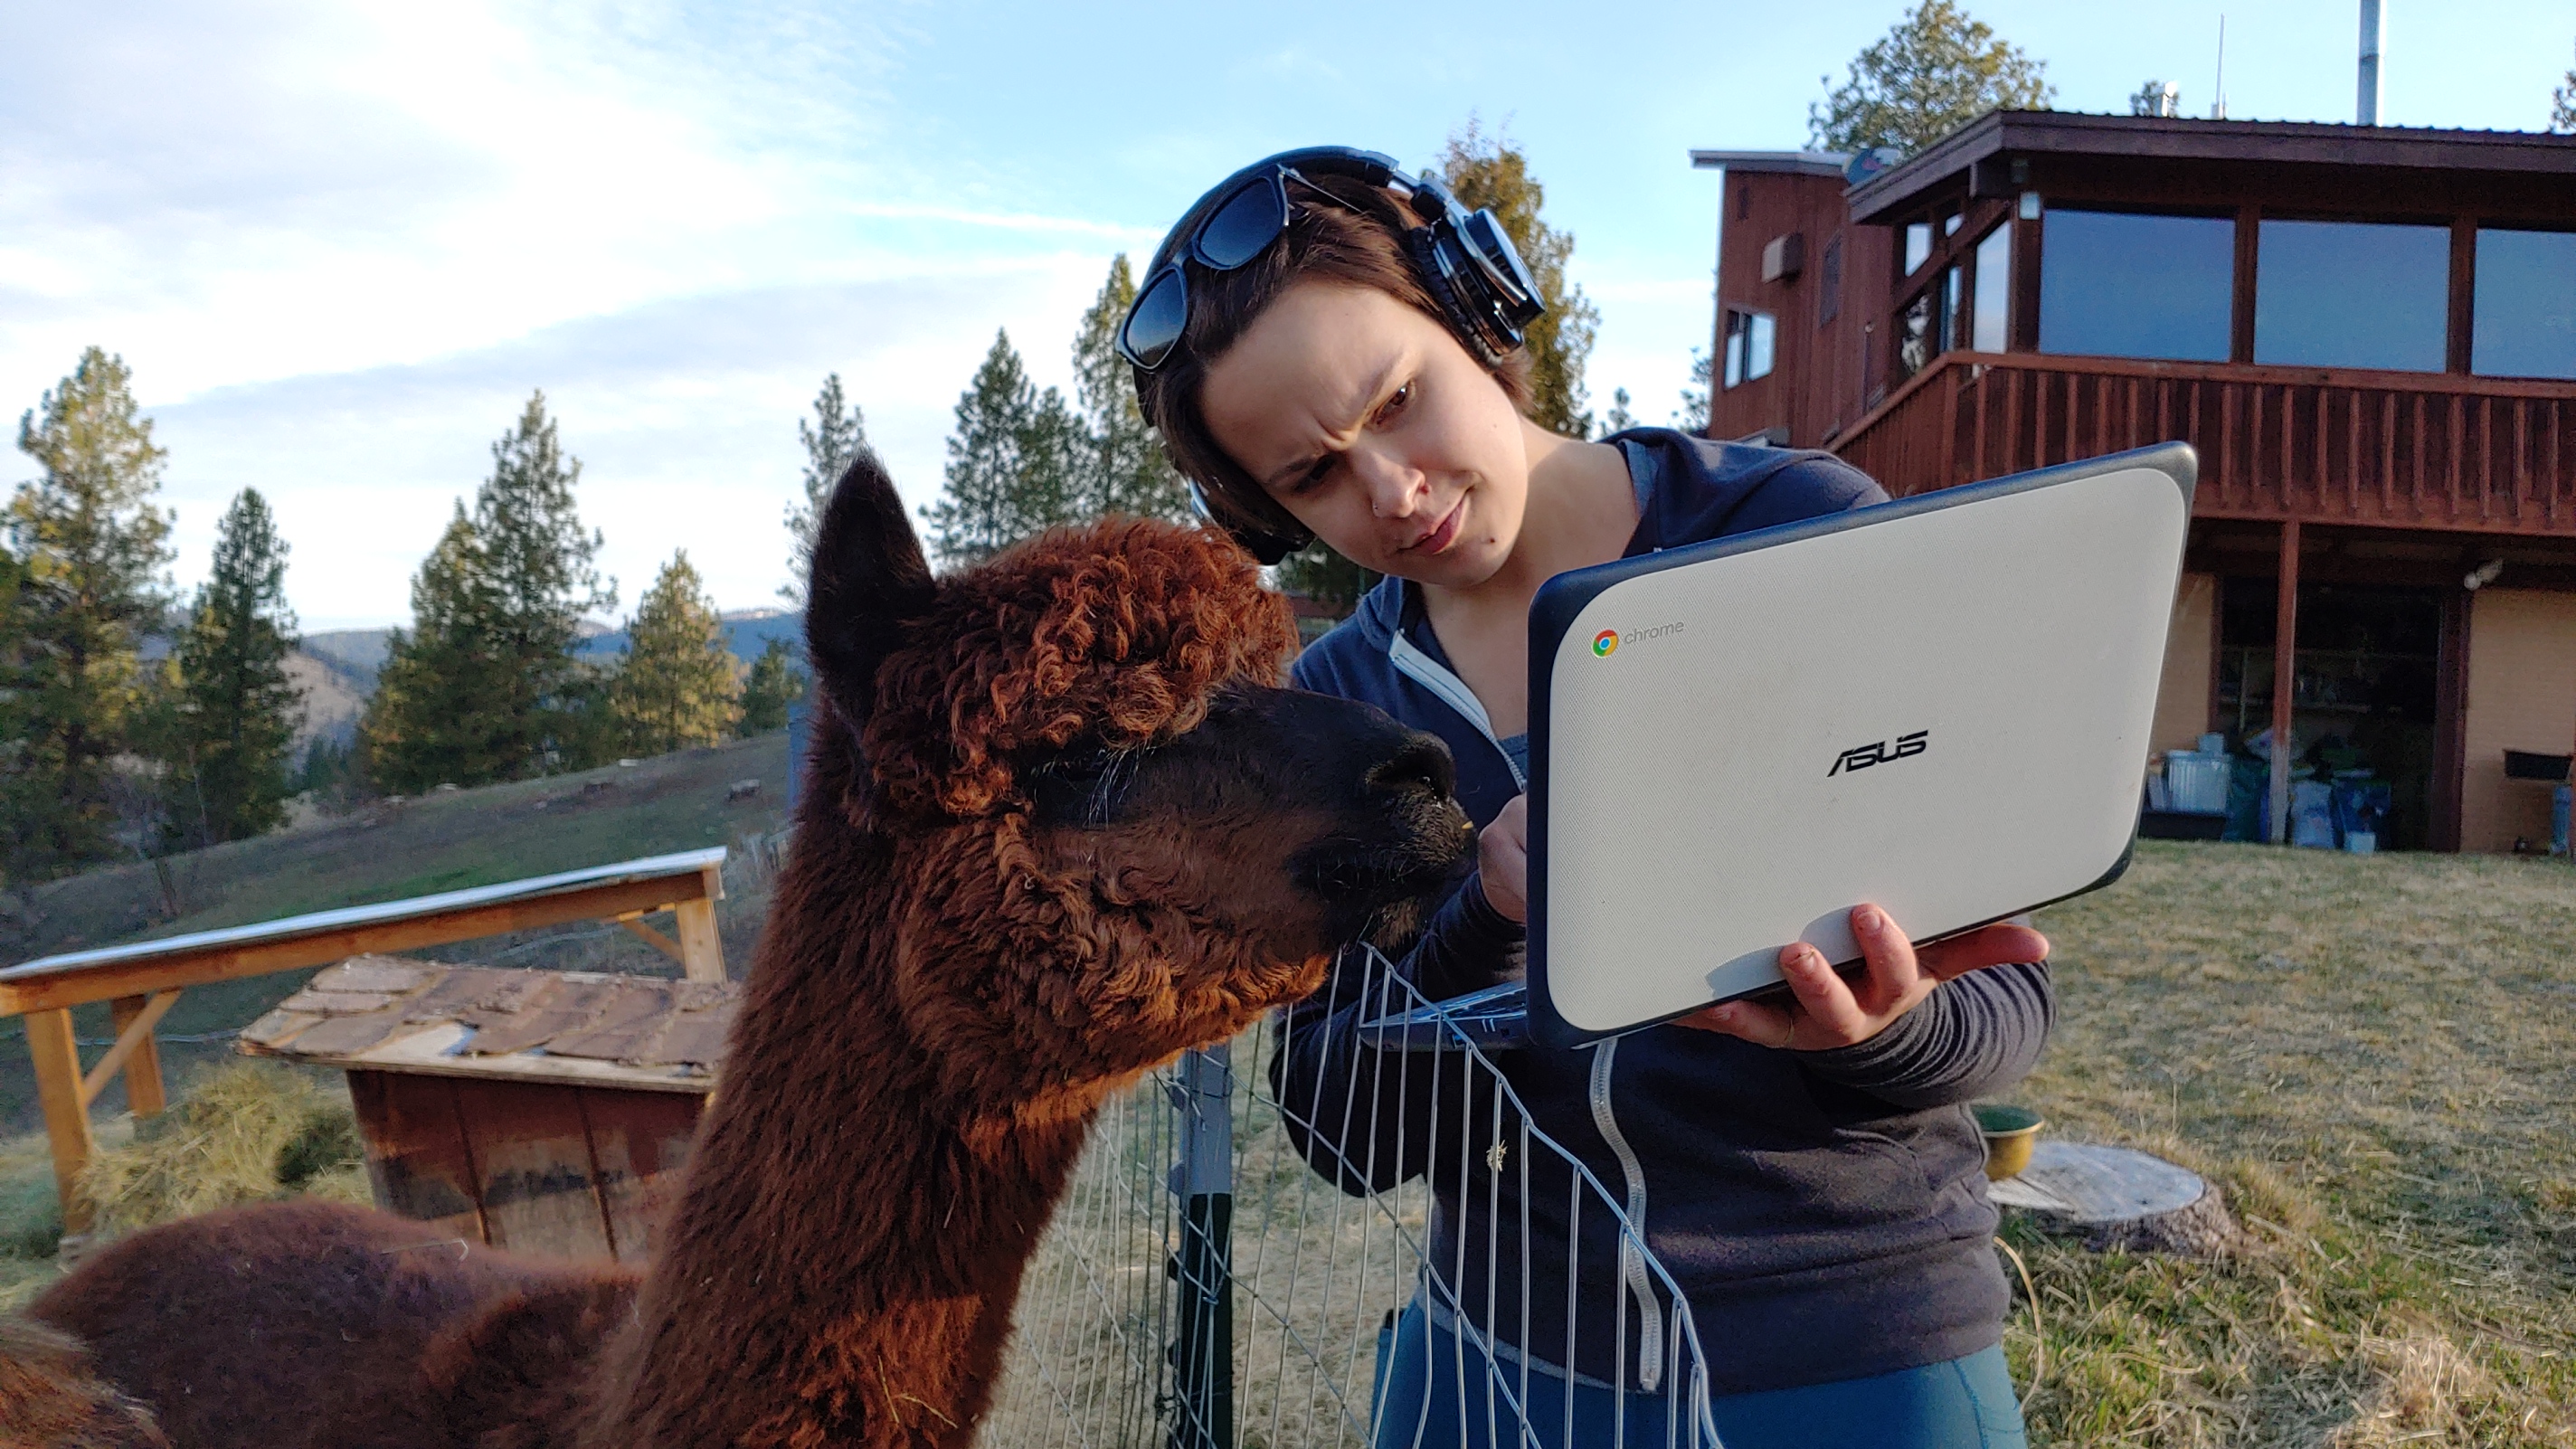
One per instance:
[(1605, 643)]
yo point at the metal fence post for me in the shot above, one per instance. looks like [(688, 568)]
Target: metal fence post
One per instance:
[(1202, 1354)]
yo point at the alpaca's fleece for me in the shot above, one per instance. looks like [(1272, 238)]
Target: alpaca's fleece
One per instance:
[(51, 1395), (1123, 628)]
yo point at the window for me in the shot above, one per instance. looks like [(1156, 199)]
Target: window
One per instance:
[(1918, 245), (1749, 345), (2525, 306), (1993, 291), (1914, 335), (1950, 223), (2130, 284), (2352, 294), (1951, 320)]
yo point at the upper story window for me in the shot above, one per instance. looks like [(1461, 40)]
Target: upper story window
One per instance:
[(2525, 308), (2134, 284), (1750, 341), (2352, 294), (1918, 245), (1993, 292)]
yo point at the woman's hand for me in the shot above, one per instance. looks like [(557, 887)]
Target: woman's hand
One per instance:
[(1502, 860), (1825, 1011)]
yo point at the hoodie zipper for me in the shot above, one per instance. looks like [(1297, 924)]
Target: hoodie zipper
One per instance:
[(1426, 671), (1632, 1257)]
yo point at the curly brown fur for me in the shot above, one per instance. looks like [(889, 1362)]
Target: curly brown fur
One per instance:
[(1060, 826), (51, 1395)]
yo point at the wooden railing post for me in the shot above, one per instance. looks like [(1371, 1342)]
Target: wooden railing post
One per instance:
[(2285, 624), (58, 1088)]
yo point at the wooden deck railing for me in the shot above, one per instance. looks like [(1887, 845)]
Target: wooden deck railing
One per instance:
[(2393, 449)]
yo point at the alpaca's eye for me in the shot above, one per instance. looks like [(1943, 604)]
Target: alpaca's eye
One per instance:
[(1079, 786)]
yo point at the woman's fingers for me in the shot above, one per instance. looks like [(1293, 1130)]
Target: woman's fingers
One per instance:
[(1830, 1012), (1502, 858), (1824, 998), (1757, 1022), (1892, 971), (1993, 945)]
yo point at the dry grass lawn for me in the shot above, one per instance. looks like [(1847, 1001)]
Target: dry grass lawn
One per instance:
[(2377, 1057)]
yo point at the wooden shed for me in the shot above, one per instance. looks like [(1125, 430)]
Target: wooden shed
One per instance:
[(542, 1111)]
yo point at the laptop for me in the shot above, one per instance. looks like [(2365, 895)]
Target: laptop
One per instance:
[(1939, 705)]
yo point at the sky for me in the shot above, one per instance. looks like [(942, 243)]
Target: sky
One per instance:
[(339, 242)]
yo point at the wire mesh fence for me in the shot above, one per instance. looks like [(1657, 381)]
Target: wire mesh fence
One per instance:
[(1325, 1234)]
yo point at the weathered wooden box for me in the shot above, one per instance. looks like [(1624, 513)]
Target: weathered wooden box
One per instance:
[(543, 1111)]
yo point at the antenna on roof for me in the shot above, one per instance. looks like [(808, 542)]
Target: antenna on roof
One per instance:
[(2373, 31), (2218, 106)]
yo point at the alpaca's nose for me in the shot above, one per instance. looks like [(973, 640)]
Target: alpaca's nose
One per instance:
[(1421, 762)]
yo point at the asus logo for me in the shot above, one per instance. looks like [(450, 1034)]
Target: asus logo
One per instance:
[(1861, 757)]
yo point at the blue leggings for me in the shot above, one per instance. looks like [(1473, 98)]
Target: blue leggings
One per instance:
[(1965, 1403)]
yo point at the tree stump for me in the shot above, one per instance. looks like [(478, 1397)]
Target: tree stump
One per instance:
[(2118, 1197)]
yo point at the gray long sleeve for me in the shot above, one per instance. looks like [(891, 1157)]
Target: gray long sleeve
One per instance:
[(1974, 1035)]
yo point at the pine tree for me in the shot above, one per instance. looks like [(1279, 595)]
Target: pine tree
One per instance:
[(677, 687), (977, 512), (1933, 72), (2562, 105), (774, 683), (836, 434), (237, 711), (90, 549), (1489, 171), (1693, 415), (484, 685), (1128, 472), (422, 726), (1059, 476), (538, 565), (1321, 573), (1618, 419)]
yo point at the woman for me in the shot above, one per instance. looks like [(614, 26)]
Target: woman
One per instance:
[(1331, 348)]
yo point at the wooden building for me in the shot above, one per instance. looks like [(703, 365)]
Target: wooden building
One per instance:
[(2369, 334)]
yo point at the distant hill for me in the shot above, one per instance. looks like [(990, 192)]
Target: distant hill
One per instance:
[(356, 654), (746, 633)]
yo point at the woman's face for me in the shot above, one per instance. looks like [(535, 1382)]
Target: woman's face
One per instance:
[(1367, 421)]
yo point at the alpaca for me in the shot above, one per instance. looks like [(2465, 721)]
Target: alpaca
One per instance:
[(1063, 825)]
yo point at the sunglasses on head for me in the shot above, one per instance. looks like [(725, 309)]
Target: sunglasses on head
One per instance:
[(1238, 228)]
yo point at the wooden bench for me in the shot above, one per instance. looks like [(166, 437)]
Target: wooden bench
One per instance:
[(141, 981)]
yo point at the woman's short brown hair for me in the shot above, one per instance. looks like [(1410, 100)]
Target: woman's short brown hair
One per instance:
[(1358, 243)]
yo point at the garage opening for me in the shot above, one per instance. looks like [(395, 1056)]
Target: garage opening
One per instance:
[(2364, 693)]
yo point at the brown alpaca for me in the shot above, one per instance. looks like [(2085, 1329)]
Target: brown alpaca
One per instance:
[(1062, 826)]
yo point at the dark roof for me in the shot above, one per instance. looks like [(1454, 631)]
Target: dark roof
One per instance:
[(1801, 163), (2181, 138)]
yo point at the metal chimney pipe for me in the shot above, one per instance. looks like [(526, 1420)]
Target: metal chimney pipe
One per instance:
[(2373, 30)]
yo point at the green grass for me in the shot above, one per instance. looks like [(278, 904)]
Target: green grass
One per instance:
[(444, 841), (2376, 1057)]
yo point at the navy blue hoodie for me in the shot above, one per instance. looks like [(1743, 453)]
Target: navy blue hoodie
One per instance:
[(1824, 1212)]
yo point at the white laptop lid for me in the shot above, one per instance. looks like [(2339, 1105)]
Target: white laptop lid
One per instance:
[(1939, 705)]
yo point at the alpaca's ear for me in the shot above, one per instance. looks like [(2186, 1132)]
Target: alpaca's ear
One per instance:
[(868, 580)]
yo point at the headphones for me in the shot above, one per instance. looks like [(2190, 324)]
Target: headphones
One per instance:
[(1465, 260)]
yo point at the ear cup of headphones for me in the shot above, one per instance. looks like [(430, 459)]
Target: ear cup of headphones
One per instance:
[(1472, 271), (1436, 267), (1267, 540)]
